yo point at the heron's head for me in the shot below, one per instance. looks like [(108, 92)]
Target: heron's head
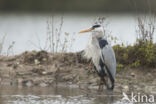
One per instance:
[(94, 29)]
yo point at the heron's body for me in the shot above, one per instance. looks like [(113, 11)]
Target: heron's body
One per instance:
[(102, 56)]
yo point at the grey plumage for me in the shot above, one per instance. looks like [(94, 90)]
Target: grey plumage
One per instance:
[(102, 55)]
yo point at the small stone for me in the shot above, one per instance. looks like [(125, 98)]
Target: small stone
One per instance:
[(133, 74), (154, 82), (29, 84), (6, 76), (44, 72), (44, 59), (53, 69), (36, 62), (73, 86), (93, 87), (149, 75), (19, 81), (125, 88), (6, 82), (43, 84), (150, 89), (68, 77), (93, 81)]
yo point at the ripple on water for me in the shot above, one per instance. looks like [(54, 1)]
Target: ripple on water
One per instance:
[(49, 95), (46, 99)]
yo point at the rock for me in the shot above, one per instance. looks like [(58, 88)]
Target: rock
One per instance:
[(93, 87), (19, 81), (37, 62), (43, 84), (6, 82), (73, 86), (154, 82), (150, 89), (125, 88), (149, 75), (93, 81), (44, 73), (132, 74), (6, 75), (53, 69), (68, 77), (29, 84), (44, 59)]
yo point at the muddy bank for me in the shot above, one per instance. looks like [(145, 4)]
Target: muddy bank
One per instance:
[(68, 69)]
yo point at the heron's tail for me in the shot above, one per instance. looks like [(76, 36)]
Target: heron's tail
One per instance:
[(110, 85)]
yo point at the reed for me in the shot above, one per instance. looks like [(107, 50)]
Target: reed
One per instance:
[(2, 43)]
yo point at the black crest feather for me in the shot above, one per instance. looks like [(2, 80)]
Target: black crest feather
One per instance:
[(95, 26)]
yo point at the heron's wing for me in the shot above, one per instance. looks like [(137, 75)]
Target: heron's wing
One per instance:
[(108, 56)]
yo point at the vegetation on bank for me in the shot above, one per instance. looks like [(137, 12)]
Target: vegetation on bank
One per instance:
[(142, 52), (139, 54)]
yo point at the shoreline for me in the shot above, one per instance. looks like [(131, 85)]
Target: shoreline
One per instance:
[(44, 69)]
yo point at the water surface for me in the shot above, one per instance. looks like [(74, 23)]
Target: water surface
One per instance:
[(29, 29), (50, 95)]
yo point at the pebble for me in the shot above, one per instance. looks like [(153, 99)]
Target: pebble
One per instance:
[(19, 80), (43, 84), (133, 74), (44, 59), (36, 62), (154, 82), (53, 69), (125, 88), (73, 86), (44, 72), (5, 82), (150, 89), (29, 84)]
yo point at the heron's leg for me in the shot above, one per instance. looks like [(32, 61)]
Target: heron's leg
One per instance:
[(100, 85), (103, 82), (106, 79)]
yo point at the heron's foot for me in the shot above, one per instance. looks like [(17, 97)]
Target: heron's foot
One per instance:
[(100, 89), (106, 79), (107, 83)]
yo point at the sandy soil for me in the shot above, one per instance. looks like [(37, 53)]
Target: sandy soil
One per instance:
[(68, 69)]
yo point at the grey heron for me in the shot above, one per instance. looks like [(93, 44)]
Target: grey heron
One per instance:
[(102, 55)]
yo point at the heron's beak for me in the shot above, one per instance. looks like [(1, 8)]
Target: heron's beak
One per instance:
[(87, 30)]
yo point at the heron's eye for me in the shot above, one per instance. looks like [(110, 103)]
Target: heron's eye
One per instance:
[(96, 26)]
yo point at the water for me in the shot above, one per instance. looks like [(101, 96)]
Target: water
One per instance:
[(50, 95), (29, 30)]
